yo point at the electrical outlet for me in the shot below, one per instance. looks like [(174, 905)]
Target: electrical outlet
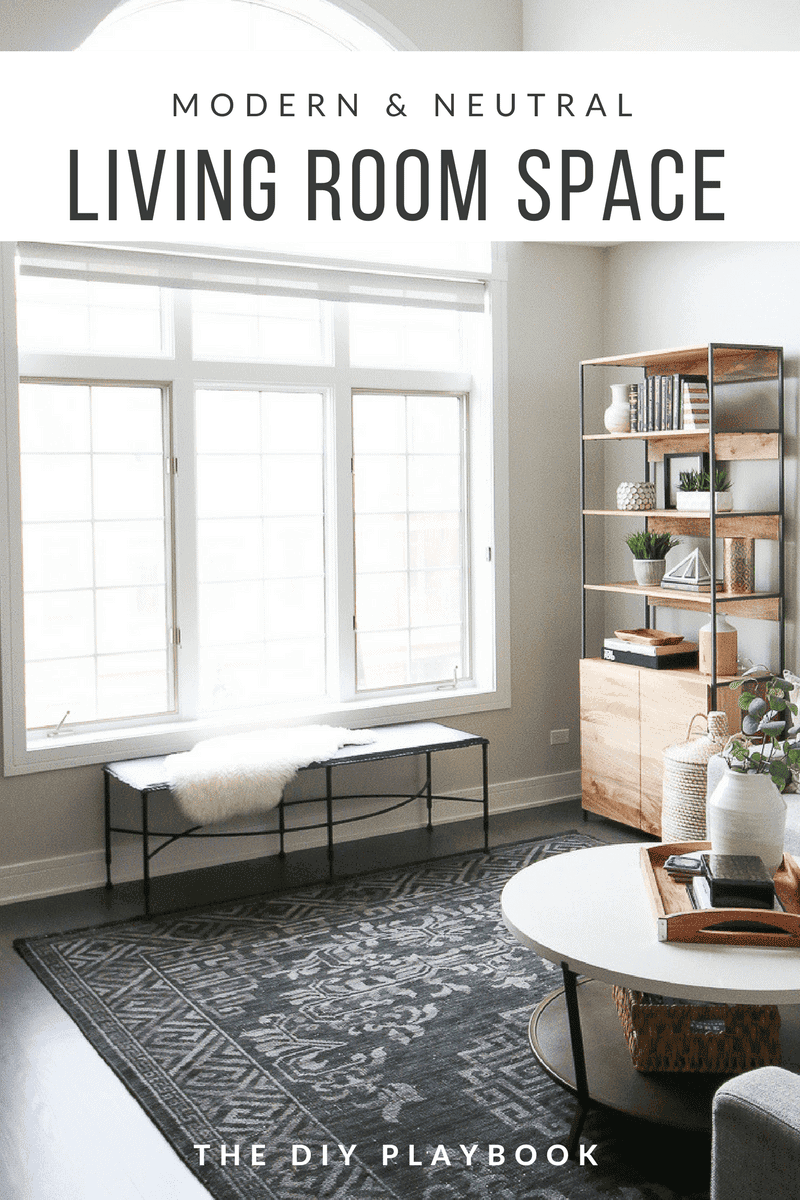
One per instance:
[(559, 737)]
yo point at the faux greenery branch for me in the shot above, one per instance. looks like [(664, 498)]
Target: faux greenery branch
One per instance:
[(772, 719), (700, 481), (646, 544)]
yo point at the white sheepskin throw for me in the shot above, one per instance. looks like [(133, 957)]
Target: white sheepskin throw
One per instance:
[(247, 772)]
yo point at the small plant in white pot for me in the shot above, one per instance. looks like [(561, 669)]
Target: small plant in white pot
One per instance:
[(694, 493), (746, 811), (649, 552)]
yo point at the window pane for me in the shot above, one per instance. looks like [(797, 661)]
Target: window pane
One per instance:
[(76, 317), (56, 487), (410, 520), (229, 549), (276, 329), (127, 419), (387, 335), (132, 683), (58, 557), (130, 619), (260, 536), (95, 552)]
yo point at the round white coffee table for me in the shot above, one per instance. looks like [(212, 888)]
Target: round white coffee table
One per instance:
[(588, 911)]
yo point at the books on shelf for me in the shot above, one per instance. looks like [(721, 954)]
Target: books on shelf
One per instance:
[(661, 402)]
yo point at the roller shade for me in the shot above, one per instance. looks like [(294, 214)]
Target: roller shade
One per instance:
[(266, 275)]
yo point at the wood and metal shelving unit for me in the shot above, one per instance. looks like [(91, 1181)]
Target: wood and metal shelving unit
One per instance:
[(722, 364)]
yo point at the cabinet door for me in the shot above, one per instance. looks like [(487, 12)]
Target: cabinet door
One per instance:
[(610, 740)]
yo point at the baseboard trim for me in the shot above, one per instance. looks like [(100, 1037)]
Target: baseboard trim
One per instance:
[(79, 872)]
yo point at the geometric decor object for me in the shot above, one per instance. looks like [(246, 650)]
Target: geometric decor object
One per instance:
[(385, 1014), (739, 564), (692, 574), (636, 497)]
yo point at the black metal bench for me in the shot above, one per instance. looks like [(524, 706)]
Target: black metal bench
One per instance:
[(147, 775)]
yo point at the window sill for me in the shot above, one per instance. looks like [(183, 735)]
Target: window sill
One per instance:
[(72, 749)]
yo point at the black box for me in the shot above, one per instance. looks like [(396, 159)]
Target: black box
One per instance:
[(738, 881)]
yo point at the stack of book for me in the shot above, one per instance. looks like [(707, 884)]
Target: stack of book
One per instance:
[(657, 658), (658, 403), (695, 405)]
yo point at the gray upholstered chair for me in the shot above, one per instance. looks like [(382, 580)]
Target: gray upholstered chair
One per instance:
[(756, 1137)]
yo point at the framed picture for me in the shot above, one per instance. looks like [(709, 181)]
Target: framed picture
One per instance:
[(674, 464)]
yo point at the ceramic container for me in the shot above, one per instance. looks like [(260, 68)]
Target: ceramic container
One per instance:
[(727, 647), (701, 501), (636, 497), (649, 571), (739, 564), (746, 814), (617, 417)]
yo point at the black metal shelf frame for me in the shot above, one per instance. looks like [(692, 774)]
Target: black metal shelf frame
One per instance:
[(713, 382)]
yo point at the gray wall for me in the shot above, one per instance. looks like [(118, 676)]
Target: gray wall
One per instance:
[(675, 294), (661, 25)]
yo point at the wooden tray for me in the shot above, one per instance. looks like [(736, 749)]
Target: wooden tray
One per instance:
[(648, 637), (678, 921)]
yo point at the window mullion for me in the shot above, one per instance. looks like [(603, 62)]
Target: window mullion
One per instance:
[(340, 531), (185, 516)]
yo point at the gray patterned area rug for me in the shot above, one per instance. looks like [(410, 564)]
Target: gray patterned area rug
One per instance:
[(362, 1040)]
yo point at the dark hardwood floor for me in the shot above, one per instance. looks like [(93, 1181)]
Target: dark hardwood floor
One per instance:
[(69, 1130)]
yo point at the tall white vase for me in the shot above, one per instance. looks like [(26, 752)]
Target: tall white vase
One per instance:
[(747, 815), (617, 417)]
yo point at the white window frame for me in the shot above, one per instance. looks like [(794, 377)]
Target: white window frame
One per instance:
[(489, 688)]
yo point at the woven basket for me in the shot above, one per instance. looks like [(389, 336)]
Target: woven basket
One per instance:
[(683, 804), (674, 1035)]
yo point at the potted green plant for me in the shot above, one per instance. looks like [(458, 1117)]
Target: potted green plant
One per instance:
[(746, 811), (694, 492), (649, 552)]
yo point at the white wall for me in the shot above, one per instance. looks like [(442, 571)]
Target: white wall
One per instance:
[(431, 25), (661, 25), (675, 294)]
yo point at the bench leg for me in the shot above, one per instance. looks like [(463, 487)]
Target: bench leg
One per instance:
[(428, 793), (281, 828), (107, 810), (145, 853), (329, 814), (485, 749)]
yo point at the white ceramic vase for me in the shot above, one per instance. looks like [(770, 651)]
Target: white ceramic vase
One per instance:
[(617, 417), (649, 571), (746, 814)]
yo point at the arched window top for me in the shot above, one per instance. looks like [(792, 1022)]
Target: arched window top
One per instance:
[(260, 25)]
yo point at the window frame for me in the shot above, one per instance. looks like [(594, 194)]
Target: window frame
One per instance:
[(488, 568)]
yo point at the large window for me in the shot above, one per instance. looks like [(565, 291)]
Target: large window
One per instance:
[(238, 506)]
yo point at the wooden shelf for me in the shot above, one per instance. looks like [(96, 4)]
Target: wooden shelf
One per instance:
[(732, 364), (764, 606), (765, 526), (729, 445), (651, 435)]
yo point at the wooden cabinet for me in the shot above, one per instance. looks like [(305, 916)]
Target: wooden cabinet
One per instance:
[(629, 714)]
